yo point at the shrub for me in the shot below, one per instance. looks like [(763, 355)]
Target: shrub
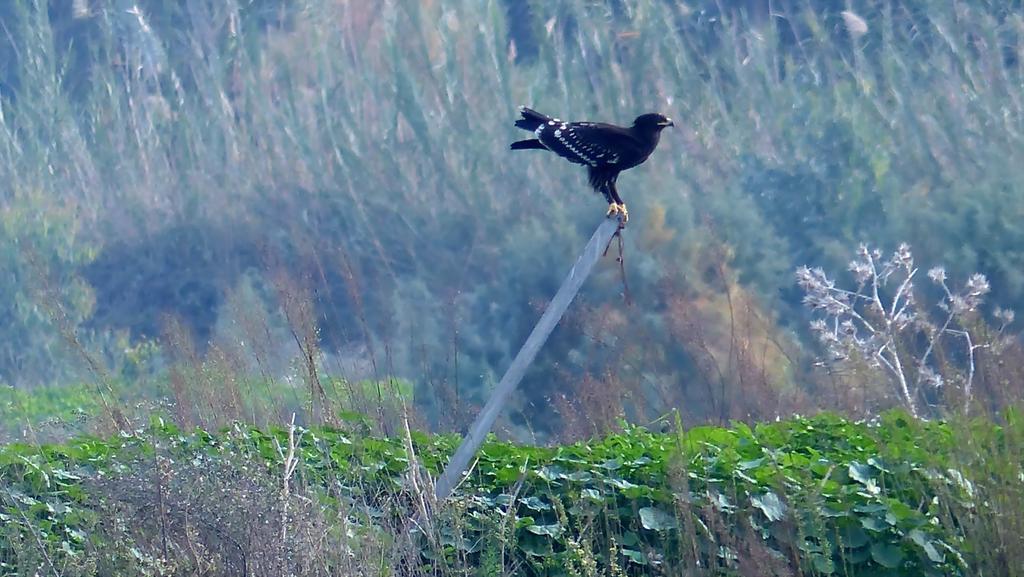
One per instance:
[(927, 352)]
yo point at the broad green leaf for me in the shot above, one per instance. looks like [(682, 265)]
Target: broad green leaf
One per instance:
[(551, 473), (861, 473), (554, 530), (878, 463), (857, 556), (874, 524), (621, 483), (525, 522), (925, 542), (579, 476), (770, 504), (853, 537), (534, 547), (536, 503), (752, 464), (823, 564), (887, 555), (654, 519), (634, 556), (900, 513), (832, 513)]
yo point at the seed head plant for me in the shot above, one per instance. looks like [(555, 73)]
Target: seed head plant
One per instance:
[(886, 322)]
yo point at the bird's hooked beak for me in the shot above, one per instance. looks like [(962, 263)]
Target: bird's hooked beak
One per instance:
[(666, 122)]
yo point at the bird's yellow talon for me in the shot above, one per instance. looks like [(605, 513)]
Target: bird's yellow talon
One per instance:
[(624, 213), (613, 209)]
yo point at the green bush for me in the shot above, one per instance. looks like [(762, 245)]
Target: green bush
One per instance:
[(44, 299)]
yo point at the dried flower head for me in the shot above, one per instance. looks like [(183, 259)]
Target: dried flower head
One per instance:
[(903, 258), (977, 285), (957, 305), (813, 279), (861, 271), (1004, 316), (937, 274)]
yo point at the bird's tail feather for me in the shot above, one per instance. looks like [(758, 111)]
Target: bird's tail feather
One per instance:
[(531, 144), (531, 119)]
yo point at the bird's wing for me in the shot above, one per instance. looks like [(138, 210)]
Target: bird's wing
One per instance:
[(589, 143)]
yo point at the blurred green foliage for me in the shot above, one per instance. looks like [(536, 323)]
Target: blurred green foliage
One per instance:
[(25, 412), (41, 250), (360, 150)]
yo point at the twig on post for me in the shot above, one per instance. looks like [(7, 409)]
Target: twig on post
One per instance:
[(622, 268)]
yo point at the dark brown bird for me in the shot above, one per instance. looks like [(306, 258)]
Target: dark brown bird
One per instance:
[(605, 149)]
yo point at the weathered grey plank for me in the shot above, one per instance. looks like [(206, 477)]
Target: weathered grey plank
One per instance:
[(556, 308)]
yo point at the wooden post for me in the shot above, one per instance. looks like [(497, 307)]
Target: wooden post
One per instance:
[(556, 308)]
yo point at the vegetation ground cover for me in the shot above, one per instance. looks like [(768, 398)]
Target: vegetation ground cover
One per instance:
[(808, 496)]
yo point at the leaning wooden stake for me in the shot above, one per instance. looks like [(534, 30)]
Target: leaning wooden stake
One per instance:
[(556, 308)]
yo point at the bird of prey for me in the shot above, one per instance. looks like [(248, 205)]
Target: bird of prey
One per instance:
[(605, 149)]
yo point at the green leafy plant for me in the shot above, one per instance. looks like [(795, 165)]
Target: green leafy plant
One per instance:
[(822, 495)]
